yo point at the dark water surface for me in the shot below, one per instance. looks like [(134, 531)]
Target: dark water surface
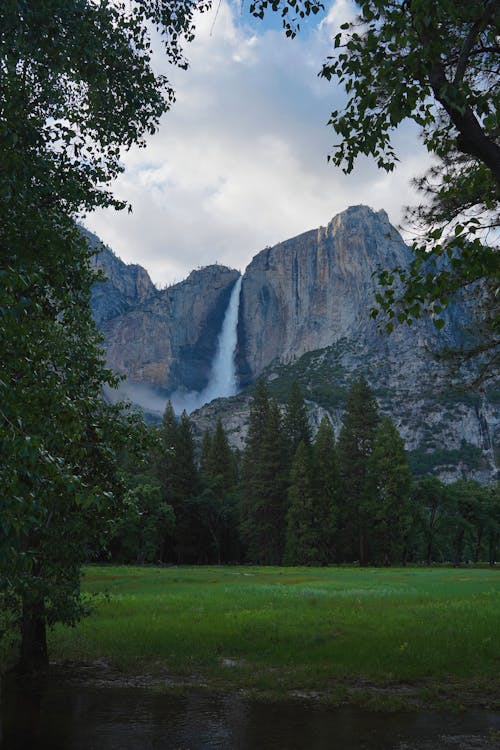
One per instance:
[(58, 716)]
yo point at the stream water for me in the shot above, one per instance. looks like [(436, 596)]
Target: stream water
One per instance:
[(54, 715)]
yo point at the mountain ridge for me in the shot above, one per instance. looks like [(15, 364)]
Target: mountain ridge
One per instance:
[(307, 297), (161, 338)]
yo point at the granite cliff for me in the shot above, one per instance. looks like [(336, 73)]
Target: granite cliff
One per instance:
[(304, 314), (160, 339), (318, 288)]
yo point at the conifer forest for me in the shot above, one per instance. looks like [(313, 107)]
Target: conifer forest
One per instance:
[(294, 499)]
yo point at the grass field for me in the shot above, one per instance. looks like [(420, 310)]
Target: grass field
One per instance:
[(293, 628)]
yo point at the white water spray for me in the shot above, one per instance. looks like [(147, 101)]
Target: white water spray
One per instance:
[(223, 380)]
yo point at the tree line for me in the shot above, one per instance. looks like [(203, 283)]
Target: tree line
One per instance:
[(290, 499)]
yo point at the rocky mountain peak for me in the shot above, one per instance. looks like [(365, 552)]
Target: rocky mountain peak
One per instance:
[(160, 339), (304, 314), (127, 285), (359, 216), (310, 291), (215, 274)]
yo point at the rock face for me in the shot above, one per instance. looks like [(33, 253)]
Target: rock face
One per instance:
[(318, 288), (162, 339), (127, 286), (304, 315)]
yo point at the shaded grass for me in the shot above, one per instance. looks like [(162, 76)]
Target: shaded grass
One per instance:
[(291, 628)]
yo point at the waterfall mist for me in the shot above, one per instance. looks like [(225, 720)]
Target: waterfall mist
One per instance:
[(223, 380)]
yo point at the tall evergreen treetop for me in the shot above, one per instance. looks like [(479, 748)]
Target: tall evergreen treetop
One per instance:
[(169, 425), (166, 460), (324, 458), (275, 471), (264, 481), (325, 482), (303, 530), (297, 425), (386, 501), (206, 448), (185, 469), (355, 445), (259, 410), (221, 463), (360, 421)]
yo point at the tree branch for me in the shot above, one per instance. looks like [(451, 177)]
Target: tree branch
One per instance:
[(471, 38), (471, 137)]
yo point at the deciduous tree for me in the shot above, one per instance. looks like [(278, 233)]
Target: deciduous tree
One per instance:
[(435, 63), (76, 86)]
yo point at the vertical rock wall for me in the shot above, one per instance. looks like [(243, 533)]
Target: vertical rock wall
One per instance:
[(162, 339), (312, 290)]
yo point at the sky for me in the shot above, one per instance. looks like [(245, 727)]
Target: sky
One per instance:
[(240, 161)]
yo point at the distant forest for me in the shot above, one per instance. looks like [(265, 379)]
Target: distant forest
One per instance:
[(290, 499)]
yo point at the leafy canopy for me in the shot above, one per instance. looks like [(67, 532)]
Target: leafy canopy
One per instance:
[(76, 87), (436, 64)]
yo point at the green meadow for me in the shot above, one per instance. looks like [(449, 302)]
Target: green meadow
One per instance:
[(285, 629)]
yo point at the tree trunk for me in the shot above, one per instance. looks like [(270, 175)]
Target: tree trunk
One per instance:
[(471, 138), (429, 552), (477, 548), (362, 550), (430, 543), (459, 548), (34, 653), (493, 544)]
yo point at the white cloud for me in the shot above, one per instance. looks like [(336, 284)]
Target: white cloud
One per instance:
[(240, 161), (339, 12)]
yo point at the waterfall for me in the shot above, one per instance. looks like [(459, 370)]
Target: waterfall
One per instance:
[(223, 380)]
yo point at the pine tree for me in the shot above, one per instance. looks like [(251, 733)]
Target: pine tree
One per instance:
[(256, 423), (184, 485), (493, 531), (178, 475), (215, 506), (325, 489), (297, 425), (275, 472), (185, 469), (166, 461), (251, 471), (221, 462), (386, 501), (470, 520), (206, 448), (355, 445), (168, 424), (432, 517), (139, 536), (302, 522), (264, 481)]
